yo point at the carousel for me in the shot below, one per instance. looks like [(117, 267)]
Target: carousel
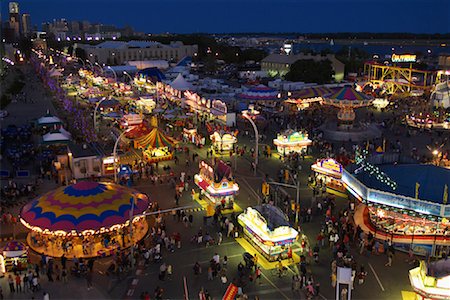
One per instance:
[(223, 142), (292, 141), (86, 219), (347, 100), (156, 146)]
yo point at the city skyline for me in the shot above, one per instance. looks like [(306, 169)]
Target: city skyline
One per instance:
[(250, 15)]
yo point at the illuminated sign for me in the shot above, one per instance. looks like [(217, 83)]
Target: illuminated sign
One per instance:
[(331, 164), (403, 58)]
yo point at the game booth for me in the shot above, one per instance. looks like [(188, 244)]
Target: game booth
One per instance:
[(156, 146), (14, 257), (292, 141), (192, 136), (405, 203), (86, 219), (431, 280), (267, 229), (217, 184), (329, 171), (223, 142)]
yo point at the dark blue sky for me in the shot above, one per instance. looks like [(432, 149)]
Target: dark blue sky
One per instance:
[(187, 16)]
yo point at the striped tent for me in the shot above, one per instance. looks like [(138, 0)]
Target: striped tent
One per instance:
[(348, 95), (155, 139), (312, 92)]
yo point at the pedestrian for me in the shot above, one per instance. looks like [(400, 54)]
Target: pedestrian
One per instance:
[(45, 296), (169, 272), (64, 275), (191, 220), (219, 238), (89, 280), (390, 256), (162, 271), (18, 283), (11, 284), (210, 273), (258, 275), (361, 275)]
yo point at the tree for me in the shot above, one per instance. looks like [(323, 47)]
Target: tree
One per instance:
[(308, 70)]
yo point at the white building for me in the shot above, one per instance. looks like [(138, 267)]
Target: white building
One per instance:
[(118, 52)]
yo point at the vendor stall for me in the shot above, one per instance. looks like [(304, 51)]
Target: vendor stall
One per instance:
[(131, 120), (329, 172), (156, 146), (14, 257), (86, 219), (217, 184), (431, 280), (192, 136), (268, 230), (292, 141), (223, 142)]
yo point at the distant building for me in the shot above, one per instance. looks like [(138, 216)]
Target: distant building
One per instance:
[(118, 52), (444, 61), (280, 64), (26, 25), (14, 19)]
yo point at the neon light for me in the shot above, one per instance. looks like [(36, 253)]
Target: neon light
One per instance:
[(403, 58)]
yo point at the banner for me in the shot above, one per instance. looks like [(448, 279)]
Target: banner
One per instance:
[(231, 292)]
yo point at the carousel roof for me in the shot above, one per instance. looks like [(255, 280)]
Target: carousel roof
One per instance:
[(348, 94), (14, 246), (260, 92), (155, 139), (83, 206), (312, 92)]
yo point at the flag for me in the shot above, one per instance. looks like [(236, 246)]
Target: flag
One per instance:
[(417, 190), (445, 197)]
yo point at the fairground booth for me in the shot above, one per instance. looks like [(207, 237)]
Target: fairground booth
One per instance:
[(291, 141), (156, 146), (223, 142), (217, 184), (86, 219), (329, 172), (267, 228), (431, 280), (406, 203), (14, 257), (211, 109)]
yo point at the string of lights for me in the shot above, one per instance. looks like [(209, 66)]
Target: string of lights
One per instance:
[(372, 170)]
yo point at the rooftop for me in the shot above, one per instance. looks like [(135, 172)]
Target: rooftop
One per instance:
[(432, 180)]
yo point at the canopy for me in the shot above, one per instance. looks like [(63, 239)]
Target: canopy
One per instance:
[(260, 92), (48, 119), (155, 139), (138, 131), (181, 84), (55, 137), (348, 93), (312, 92), (14, 249), (84, 207)]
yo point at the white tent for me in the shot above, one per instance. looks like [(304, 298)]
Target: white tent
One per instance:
[(181, 84), (48, 120), (55, 137), (441, 95), (65, 132), (55, 73)]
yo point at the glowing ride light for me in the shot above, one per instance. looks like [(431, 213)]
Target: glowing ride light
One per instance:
[(403, 58)]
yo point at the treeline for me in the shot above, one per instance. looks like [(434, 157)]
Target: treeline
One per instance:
[(347, 35)]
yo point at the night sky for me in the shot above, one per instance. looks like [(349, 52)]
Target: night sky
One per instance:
[(219, 16)]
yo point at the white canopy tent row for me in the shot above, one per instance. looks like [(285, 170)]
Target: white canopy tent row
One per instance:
[(181, 84), (60, 136), (48, 120)]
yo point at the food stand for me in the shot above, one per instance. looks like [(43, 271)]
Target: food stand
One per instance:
[(131, 120), (217, 184), (14, 257), (193, 137), (329, 171), (223, 142), (292, 141), (268, 230), (431, 280)]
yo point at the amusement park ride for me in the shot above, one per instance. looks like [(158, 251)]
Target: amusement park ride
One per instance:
[(396, 78)]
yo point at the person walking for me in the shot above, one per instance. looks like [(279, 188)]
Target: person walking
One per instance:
[(169, 272), (18, 283), (11, 284), (64, 275), (89, 280), (390, 256)]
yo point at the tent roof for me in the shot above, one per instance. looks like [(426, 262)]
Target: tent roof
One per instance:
[(49, 120), (54, 137), (181, 84), (155, 139), (348, 93)]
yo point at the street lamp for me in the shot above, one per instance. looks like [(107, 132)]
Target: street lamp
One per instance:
[(114, 72), (95, 112), (249, 115), (115, 152), (129, 76)]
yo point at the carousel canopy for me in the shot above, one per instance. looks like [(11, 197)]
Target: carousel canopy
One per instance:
[(259, 93), (348, 96), (155, 139), (83, 207), (48, 119), (312, 92), (14, 246), (181, 84)]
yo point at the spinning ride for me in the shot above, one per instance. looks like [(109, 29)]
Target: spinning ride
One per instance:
[(86, 219)]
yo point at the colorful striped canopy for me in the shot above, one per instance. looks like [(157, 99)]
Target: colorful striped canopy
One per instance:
[(260, 92), (155, 139), (84, 206), (312, 92), (348, 94)]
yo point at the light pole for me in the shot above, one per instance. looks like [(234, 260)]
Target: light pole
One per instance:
[(129, 76), (114, 72), (297, 199), (95, 112), (248, 114), (115, 152), (100, 68)]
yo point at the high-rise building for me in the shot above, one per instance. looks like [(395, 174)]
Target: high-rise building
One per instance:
[(26, 25), (14, 21)]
